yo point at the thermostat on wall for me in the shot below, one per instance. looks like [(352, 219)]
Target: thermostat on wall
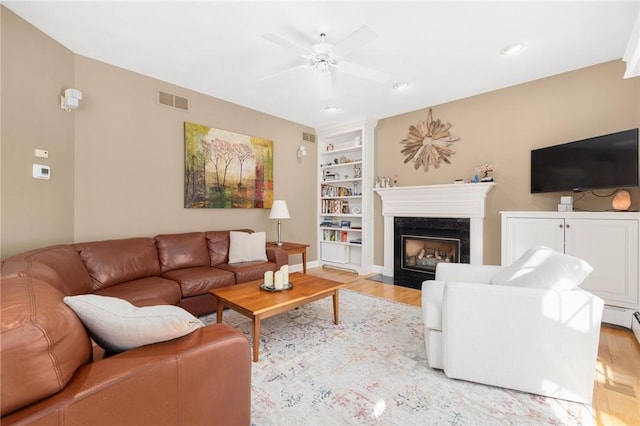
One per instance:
[(41, 172)]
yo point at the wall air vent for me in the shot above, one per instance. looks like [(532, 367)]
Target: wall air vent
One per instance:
[(308, 137), (173, 101)]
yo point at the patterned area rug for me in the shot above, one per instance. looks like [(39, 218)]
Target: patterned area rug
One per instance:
[(371, 369)]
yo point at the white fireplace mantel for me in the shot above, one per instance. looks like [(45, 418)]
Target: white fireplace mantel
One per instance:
[(454, 200)]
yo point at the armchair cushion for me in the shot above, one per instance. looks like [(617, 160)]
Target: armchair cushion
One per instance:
[(542, 267), (117, 325)]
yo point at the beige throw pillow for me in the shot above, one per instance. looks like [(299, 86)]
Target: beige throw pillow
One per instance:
[(246, 247), (117, 325)]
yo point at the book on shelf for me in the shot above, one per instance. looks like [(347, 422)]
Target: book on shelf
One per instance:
[(344, 236), (330, 235), (345, 224)]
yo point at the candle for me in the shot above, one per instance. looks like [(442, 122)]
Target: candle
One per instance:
[(285, 275), (278, 280), (268, 279)]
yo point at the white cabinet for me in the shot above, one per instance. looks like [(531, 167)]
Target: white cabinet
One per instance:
[(607, 240), (345, 206)]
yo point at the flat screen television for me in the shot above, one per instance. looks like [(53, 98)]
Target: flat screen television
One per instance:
[(609, 161)]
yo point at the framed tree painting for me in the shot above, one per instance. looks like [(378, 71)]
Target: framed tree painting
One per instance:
[(224, 169)]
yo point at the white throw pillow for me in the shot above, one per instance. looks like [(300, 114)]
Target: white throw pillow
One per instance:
[(246, 247), (542, 267), (116, 325)]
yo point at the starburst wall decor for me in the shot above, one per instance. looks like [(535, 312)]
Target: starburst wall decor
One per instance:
[(428, 142)]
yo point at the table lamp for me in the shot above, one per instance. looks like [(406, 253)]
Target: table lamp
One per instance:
[(279, 211)]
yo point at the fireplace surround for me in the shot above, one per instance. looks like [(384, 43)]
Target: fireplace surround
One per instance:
[(449, 201), (420, 243)]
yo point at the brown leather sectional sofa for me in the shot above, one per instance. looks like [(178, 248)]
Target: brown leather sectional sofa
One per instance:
[(48, 372)]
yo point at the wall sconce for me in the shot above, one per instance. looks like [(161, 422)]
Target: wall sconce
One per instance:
[(302, 151), (70, 100)]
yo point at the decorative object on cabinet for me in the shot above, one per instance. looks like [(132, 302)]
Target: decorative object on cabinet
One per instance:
[(279, 211), (224, 169), (622, 200), (428, 142)]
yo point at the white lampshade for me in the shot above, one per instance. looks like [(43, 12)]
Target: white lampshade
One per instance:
[(279, 210)]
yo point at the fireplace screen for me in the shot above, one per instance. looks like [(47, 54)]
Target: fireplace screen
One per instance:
[(422, 254)]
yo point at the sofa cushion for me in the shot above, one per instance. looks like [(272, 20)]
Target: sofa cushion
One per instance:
[(115, 261), (43, 342), (249, 271), (247, 247), (218, 245), (177, 251), (197, 281), (117, 325), (145, 291), (542, 267)]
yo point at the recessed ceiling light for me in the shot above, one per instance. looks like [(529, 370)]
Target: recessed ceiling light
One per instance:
[(400, 85), (331, 108), (512, 48)]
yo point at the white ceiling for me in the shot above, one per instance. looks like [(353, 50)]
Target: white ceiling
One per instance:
[(445, 50)]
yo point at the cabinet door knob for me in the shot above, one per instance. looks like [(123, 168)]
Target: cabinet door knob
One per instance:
[(560, 226), (567, 226)]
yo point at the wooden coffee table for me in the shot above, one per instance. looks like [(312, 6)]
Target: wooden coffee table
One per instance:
[(250, 300)]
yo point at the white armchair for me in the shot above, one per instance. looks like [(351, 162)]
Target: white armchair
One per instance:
[(536, 340)]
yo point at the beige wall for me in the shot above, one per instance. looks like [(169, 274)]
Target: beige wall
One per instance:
[(117, 161), (130, 160), (35, 72), (502, 127)]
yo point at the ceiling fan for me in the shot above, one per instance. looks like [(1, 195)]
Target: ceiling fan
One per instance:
[(325, 58)]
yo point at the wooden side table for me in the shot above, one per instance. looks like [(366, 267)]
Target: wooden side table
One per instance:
[(294, 248)]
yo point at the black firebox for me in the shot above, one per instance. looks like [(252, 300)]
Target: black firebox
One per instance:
[(420, 243)]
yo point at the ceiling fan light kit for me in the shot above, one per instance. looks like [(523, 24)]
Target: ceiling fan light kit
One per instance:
[(327, 59)]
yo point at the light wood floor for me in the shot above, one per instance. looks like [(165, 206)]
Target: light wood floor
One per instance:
[(616, 397)]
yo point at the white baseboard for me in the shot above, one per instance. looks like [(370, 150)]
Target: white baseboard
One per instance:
[(617, 316)]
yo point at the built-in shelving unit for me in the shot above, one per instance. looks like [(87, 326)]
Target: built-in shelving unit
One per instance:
[(345, 222)]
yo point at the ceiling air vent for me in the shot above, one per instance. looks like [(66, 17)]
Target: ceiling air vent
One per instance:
[(173, 101), (308, 137)]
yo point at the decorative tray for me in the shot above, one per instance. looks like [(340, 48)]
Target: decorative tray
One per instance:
[(287, 286)]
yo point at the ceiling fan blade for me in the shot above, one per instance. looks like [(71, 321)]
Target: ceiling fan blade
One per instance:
[(287, 44), (363, 72), (357, 39), (286, 70)]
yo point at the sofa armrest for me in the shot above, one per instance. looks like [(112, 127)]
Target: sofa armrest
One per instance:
[(432, 295), (464, 272), (277, 255), (201, 378), (512, 336)]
